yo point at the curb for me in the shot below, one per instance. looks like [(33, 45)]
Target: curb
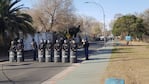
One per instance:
[(4, 62)]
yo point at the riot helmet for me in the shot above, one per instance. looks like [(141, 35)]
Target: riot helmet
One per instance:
[(65, 41), (41, 41), (57, 41), (19, 41), (73, 41), (45, 41), (12, 42), (48, 41)]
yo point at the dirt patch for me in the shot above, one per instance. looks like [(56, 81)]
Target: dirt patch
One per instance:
[(130, 63)]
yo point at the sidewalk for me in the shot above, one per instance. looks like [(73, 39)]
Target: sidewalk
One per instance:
[(88, 72)]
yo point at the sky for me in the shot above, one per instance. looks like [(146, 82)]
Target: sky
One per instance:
[(111, 7)]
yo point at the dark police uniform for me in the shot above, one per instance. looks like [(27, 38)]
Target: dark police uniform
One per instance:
[(86, 45), (35, 50)]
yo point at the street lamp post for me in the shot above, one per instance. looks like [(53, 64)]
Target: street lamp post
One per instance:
[(100, 6)]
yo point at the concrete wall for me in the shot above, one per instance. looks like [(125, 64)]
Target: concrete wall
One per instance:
[(37, 37)]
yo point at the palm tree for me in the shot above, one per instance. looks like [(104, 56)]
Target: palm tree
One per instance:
[(13, 21)]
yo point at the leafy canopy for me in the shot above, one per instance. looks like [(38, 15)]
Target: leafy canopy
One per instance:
[(129, 25), (13, 21)]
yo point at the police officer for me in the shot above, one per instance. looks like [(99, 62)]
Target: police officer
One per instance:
[(86, 45), (41, 45), (12, 51), (20, 49), (34, 48), (73, 45), (44, 47), (41, 51), (49, 45), (73, 57), (58, 45), (13, 46), (49, 48), (58, 49), (66, 48), (22, 44)]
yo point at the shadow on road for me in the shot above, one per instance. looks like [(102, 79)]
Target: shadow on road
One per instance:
[(23, 66)]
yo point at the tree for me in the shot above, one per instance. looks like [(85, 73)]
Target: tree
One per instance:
[(52, 15), (116, 16), (91, 26), (13, 21), (129, 25), (96, 28), (40, 22), (74, 30), (145, 17)]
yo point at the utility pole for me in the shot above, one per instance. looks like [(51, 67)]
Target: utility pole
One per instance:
[(101, 7)]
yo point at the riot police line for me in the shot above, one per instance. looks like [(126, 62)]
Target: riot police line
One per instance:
[(46, 51)]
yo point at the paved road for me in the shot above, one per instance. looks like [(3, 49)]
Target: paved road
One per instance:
[(29, 72), (34, 72), (96, 44)]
